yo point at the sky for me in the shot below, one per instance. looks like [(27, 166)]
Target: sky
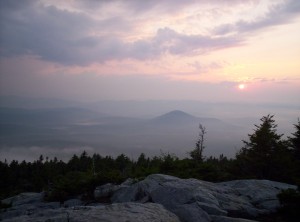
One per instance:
[(90, 50)]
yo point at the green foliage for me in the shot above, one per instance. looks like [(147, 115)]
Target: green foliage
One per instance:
[(290, 204), (168, 164), (69, 185), (197, 153), (4, 205), (81, 174), (295, 141), (266, 155)]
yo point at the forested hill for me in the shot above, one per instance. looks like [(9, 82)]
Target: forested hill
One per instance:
[(266, 155)]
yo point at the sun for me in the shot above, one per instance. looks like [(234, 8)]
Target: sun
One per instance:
[(241, 86)]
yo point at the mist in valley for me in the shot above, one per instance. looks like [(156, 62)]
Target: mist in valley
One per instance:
[(54, 128)]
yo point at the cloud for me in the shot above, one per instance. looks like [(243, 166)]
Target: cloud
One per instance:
[(277, 14), (169, 41), (47, 32), (103, 31), (67, 37), (169, 6)]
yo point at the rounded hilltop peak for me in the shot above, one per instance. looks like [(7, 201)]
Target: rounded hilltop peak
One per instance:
[(175, 116), (178, 113)]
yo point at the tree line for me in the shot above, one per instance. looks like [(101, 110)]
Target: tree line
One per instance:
[(265, 155)]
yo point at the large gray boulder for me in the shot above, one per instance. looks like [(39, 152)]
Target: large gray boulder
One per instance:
[(260, 193), (123, 212), (107, 190), (176, 195), (26, 204), (157, 198), (228, 219), (189, 197), (73, 203), (24, 198)]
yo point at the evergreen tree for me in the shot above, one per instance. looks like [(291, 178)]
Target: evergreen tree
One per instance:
[(265, 155), (197, 153), (123, 163), (295, 141), (295, 149)]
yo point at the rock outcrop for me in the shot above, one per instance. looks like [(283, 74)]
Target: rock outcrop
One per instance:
[(157, 198), (107, 190), (123, 212), (195, 200), (23, 199)]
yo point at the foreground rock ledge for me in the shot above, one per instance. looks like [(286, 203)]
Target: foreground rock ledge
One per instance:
[(195, 200), (123, 212), (157, 198)]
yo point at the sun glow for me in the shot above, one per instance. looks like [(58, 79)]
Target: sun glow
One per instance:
[(241, 86)]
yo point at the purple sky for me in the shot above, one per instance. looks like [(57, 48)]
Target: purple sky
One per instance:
[(137, 50)]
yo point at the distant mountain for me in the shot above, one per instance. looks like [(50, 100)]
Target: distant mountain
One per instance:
[(175, 117), (132, 127), (47, 116), (180, 117), (36, 103), (72, 127)]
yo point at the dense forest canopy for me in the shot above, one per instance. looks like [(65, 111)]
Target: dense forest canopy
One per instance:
[(266, 155)]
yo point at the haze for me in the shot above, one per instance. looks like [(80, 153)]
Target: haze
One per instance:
[(143, 59)]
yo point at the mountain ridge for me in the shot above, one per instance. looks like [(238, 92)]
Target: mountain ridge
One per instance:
[(181, 117), (175, 116)]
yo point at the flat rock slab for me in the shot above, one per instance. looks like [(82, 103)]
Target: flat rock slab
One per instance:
[(156, 198), (24, 198), (122, 212), (239, 198)]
